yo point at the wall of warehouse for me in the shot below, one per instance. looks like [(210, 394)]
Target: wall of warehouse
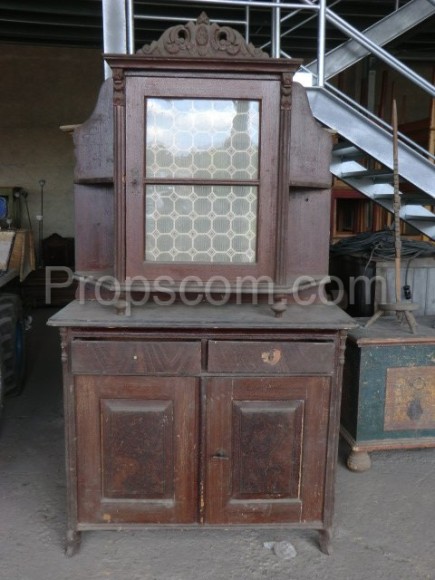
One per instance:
[(413, 104), (41, 89)]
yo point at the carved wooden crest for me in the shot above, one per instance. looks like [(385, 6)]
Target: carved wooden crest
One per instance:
[(202, 39)]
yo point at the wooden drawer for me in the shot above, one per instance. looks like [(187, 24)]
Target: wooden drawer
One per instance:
[(229, 356), (118, 357)]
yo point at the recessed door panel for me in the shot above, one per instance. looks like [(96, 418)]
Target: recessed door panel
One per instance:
[(137, 455), (265, 449), (137, 449)]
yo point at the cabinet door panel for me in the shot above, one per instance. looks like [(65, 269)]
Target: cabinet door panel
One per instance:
[(137, 449), (266, 449)]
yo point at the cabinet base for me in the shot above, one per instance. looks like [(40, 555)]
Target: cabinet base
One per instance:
[(72, 544), (73, 537), (325, 541)]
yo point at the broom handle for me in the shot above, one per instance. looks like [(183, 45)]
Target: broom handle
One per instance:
[(396, 203)]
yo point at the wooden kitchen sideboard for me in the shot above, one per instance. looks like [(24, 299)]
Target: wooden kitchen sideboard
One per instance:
[(201, 415), (201, 178)]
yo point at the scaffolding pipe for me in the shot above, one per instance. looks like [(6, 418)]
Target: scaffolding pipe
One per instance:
[(262, 4), (276, 32), (247, 23), (179, 19), (115, 30), (321, 44), (130, 25)]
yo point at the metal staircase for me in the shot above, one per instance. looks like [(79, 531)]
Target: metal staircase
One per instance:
[(364, 141)]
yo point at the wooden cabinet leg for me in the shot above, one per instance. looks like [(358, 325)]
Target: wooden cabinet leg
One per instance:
[(359, 461), (72, 546), (325, 541)]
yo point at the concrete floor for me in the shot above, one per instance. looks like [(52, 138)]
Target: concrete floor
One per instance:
[(385, 517)]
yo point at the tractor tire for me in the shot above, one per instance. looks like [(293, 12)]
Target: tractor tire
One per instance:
[(2, 389), (12, 344)]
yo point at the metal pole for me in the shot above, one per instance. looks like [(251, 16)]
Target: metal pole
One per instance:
[(262, 4), (276, 32), (114, 29), (167, 18), (129, 9), (321, 45), (247, 22)]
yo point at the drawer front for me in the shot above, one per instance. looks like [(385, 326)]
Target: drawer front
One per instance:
[(117, 357), (270, 357)]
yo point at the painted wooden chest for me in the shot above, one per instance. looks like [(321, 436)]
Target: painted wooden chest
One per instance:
[(388, 389)]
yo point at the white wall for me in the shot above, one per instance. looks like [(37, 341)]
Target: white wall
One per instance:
[(41, 89)]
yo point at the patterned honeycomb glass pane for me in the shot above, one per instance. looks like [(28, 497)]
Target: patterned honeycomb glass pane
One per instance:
[(202, 138), (189, 223)]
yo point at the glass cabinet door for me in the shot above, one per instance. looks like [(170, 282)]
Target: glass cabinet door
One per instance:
[(200, 140), (201, 175)]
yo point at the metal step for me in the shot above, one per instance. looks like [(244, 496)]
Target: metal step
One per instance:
[(348, 151), (374, 140), (406, 198), (419, 217), (362, 142), (417, 212), (376, 176), (381, 33)]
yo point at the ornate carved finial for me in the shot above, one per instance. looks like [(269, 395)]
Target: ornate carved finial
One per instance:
[(118, 87), (286, 91), (202, 39)]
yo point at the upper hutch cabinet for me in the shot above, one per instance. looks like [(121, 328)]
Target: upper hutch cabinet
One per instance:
[(201, 181), (220, 171)]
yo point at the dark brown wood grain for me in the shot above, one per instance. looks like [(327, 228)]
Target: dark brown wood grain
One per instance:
[(310, 146), (263, 462), (94, 232), (93, 141), (135, 357), (267, 448), (137, 449), (126, 458), (301, 162), (137, 455), (308, 232), (214, 415), (270, 357)]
